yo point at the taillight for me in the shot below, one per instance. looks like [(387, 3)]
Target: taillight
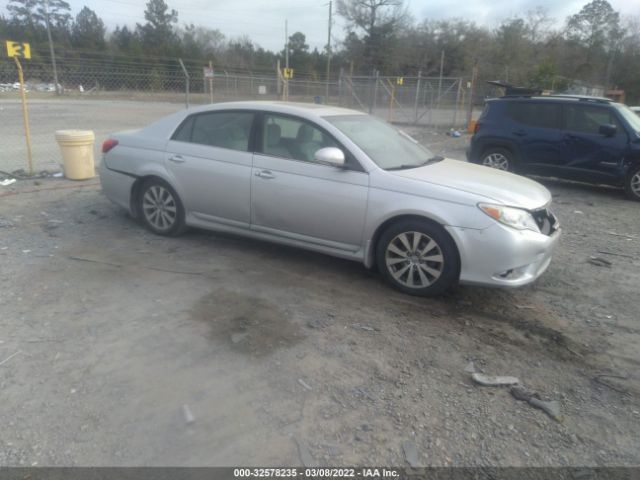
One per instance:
[(108, 144), (476, 127)]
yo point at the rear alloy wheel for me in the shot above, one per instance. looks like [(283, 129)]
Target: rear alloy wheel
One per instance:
[(498, 158), (632, 184), (161, 209), (418, 258)]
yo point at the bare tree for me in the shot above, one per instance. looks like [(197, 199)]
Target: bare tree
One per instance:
[(378, 20)]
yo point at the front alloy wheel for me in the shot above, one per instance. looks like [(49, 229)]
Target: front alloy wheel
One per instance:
[(418, 257), (499, 159)]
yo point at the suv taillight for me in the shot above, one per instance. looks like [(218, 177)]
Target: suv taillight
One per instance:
[(476, 128), (108, 144)]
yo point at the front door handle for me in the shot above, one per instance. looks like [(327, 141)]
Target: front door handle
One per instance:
[(265, 174), (520, 133), (177, 159)]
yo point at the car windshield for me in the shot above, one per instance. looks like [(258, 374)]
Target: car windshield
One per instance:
[(389, 148), (632, 118)]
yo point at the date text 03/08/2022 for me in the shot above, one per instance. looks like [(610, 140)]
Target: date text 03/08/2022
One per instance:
[(316, 472)]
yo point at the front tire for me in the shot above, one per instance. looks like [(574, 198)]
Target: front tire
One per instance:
[(160, 208), (418, 258), (632, 183), (498, 158)]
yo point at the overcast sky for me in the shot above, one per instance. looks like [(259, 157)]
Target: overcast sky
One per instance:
[(263, 21)]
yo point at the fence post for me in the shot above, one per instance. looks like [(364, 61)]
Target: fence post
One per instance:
[(455, 107), (415, 104), (340, 86), (278, 81), (186, 77), (472, 93), (375, 91)]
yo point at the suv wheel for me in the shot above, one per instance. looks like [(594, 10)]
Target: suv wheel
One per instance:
[(632, 183), (418, 258), (499, 158)]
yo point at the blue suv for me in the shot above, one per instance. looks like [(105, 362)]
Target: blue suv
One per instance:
[(588, 139)]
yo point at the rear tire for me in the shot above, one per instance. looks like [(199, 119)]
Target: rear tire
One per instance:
[(498, 158), (418, 258), (632, 183), (160, 208)]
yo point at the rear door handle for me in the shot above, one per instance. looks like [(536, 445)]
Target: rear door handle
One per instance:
[(265, 174), (177, 159)]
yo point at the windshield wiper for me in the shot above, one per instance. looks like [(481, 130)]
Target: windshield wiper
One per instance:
[(406, 166)]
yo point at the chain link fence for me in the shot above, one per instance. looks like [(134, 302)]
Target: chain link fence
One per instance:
[(117, 96)]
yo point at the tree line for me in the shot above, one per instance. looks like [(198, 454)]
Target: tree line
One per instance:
[(595, 45)]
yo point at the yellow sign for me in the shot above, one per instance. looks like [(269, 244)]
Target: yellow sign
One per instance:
[(287, 73), (400, 80), (18, 49)]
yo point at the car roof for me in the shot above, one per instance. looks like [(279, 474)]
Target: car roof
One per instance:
[(305, 109), (555, 98)]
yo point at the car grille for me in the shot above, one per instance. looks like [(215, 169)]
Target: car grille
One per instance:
[(546, 220)]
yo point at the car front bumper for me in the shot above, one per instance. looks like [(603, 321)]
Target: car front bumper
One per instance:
[(501, 256)]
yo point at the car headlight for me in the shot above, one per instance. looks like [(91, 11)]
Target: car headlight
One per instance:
[(513, 217)]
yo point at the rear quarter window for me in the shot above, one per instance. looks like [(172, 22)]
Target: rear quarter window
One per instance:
[(535, 114)]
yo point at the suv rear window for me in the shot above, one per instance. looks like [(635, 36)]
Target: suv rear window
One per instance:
[(542, 115)]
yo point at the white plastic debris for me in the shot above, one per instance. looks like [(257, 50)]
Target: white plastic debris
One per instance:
[(493, 381), (7, 181), (186, 413)]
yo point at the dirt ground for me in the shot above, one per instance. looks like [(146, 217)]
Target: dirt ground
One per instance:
[(118, 347)]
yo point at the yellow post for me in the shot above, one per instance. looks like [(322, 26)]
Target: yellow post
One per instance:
[(25, 115)]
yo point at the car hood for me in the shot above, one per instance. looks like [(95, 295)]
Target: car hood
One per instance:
[(497, 186)]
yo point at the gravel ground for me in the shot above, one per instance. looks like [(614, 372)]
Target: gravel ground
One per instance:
[(118, 347)]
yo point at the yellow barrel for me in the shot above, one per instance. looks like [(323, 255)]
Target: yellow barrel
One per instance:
[(472, 127), (77, 153)]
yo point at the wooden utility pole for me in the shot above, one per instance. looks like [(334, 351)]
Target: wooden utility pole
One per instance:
[(472, 93), (328, 54)]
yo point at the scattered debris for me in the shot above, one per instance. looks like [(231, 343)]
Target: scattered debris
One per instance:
[(630, 237), (411, 453), (600, 380), (57, 175), (454, 133), (551, 408), (599, 262), (238, 337), (26, 251), (364, 327), (5, 223), (7, 181), (616, 254), (579, 212), (305, 455), (525, 307), (470, 368), (10, 357), (494, 381), (188, 416), (304, 384)]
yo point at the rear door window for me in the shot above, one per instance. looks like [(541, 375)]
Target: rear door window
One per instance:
[(230, 130), (535, 114), (588, 118)]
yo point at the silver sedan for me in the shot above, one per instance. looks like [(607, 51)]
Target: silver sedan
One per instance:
[(334, 181)]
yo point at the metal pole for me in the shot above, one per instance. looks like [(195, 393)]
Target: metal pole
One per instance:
[(455, 107), (211, 82), (472, 94), (415, 104), (186, 90), (278, 80), (440, 80), (286, 45), (375, 92), (25, 116), (53, 55), (328, 55)]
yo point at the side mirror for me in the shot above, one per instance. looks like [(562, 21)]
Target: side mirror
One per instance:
[(607, 130), (330, 156)]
